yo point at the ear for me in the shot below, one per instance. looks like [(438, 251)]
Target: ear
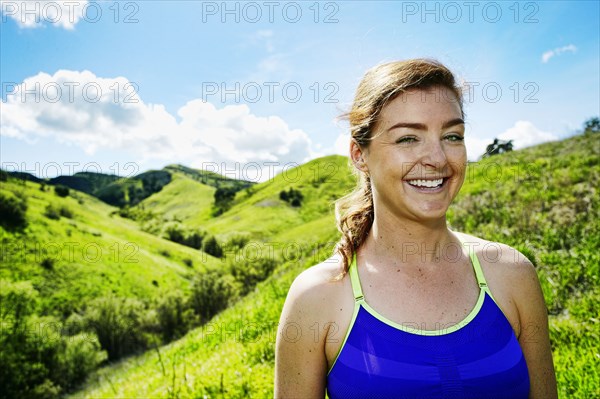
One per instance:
[(358, 155)]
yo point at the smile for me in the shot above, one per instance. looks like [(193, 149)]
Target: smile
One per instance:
[(426, 183)]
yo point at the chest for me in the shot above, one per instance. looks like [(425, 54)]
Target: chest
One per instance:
[(420, 302)]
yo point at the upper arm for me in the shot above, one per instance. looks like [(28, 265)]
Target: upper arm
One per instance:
[(534, 337), (300, 361)]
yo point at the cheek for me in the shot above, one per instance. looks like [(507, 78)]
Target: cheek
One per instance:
[(457, 157)]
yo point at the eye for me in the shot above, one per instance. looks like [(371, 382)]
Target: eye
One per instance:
[(406, 140), (454, 137)]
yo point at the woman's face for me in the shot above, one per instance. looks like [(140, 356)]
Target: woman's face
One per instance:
[(417, 159)]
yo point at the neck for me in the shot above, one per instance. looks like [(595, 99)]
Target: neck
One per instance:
[(401, 241)]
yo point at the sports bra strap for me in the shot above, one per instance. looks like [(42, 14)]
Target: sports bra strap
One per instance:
[(476, 265), (478, 272), (356, 288)]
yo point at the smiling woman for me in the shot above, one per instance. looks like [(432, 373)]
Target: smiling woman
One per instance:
[(410, 308)]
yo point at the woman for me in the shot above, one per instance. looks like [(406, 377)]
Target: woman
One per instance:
[(408, 308)]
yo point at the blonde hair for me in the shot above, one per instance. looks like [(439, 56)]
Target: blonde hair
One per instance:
[(354, 212)]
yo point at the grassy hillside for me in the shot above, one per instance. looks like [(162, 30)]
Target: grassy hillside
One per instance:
[(87, 182), (184, 199), (542, 200), (91, 251), (260, 211), (67, 262)]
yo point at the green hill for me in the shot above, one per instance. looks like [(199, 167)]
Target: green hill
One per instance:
[(87, 182), (102, 287), (64, 259), (542, 200)]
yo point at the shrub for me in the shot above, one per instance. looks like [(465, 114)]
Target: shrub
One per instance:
[(52, 212), (211, 293), (292, 196), (237, 241), (249, 272), (13, 210), (47, 263), (65, 212), (119, 325), (194, 239), (78, 356), (592, 126), (61, 191), (174, 233), (165, 253), (174, 316), (224, 197), (177, 233), (211, 246)]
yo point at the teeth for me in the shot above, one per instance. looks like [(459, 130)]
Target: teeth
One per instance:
[(426, 183)]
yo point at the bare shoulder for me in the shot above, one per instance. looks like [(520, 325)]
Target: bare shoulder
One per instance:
[(300, 358), (318, 286), (511, 276), (499, 258), (517, 286)]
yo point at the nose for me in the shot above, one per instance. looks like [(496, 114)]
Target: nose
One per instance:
[(433, 154)]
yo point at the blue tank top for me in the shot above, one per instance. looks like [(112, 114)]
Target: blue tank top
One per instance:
[(479, 357)]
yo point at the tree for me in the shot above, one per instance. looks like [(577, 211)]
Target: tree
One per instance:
[(211, 246), (61, 191), (13, 209), (592, 125), (498, 147)]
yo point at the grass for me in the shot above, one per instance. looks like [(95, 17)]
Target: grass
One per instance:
[(542, 200), (92, 253)]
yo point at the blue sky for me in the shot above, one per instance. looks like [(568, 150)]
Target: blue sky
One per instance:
[(241, 87)]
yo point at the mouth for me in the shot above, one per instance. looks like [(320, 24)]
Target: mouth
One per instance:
[(428, 185)]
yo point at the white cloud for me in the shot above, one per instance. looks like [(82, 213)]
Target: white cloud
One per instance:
[(95, 113), (557, 51), (342, 145), (525, 134), (33, 14), (475, 146)]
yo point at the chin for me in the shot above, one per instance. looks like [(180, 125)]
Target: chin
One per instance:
[(433, 214)]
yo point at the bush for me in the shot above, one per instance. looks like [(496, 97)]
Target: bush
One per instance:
[(47, 263), (119, 325), (78, 356), (13, 210), (65, 212), (178, 234), (211, 246), (211, 293), (194, 239), (52, 212), (592, 126), (61, 191), (174, 316), (237, 241), (224, 197), (249, 272), (174, 233), (292, 196)]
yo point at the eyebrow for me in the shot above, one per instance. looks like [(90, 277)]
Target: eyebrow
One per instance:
[(420, 126)]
